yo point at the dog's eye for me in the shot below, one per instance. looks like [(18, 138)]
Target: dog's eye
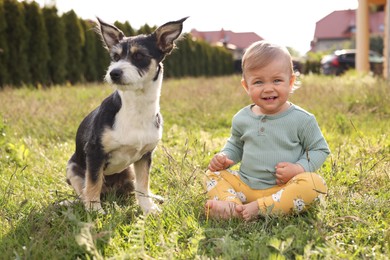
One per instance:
[(116, 57), (138, 56)]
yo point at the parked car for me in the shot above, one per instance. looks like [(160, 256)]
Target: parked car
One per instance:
[(342, 60)]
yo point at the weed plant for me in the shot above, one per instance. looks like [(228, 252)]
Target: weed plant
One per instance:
[(37, 130)]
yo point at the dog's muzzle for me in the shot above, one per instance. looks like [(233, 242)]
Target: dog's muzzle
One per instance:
[(116, 75)]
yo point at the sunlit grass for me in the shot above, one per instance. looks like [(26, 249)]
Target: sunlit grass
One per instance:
[(37, 130)]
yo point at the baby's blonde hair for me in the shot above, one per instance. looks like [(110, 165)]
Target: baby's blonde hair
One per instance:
[(259, 54)]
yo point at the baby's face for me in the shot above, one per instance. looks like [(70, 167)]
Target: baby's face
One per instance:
[(270, 87)]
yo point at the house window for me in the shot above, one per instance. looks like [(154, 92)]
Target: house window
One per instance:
[(351, 29)]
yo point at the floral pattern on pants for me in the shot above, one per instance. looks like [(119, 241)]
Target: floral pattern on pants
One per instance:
[(294, 196)]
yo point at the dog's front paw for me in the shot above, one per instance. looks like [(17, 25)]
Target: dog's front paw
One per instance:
[(94, 206), (65, 203), (148, 206), (154, 209)]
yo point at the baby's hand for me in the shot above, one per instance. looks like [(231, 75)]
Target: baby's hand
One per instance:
[(285, 171), (219, 162)]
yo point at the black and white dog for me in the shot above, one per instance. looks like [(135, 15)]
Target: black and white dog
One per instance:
[(117, 139)]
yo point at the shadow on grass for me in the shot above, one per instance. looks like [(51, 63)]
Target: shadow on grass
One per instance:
[(69, 232), (64, 232), (276, 237)]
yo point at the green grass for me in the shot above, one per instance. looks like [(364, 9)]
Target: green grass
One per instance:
[(37, 129)]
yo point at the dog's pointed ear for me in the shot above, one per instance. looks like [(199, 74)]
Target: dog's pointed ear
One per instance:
[(110, 34), (167, 34)]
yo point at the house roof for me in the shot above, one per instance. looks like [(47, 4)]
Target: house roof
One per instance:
[(342, 24), (240, 40)]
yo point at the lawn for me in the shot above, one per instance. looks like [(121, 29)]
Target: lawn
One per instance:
[(37, 130)]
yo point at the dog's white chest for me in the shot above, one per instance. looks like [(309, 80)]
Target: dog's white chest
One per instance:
[(134, 133)]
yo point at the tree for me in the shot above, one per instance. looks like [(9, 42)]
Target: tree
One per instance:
[(89, 52), (125, 28), (146, 29), (37, 49), (17, 35), (3, 47), (57, 46), (376, 44), (74, 37)]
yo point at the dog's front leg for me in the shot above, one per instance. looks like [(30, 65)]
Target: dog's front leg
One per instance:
[(142, 168), (93, 183)]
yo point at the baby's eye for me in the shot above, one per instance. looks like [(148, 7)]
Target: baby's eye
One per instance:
[(278, 81), (258, 82)]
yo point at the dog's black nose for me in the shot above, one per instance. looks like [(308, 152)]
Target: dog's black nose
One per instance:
[(116, 74)]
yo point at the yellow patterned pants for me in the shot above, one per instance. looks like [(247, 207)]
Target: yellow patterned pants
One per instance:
[(293, 197)]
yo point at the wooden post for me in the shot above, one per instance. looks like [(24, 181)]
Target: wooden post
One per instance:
[(386, 51), (362, 37)]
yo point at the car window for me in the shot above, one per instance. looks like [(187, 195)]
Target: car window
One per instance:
[(348, 57)]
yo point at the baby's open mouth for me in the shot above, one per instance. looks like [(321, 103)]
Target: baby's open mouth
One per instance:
[(270, 98)]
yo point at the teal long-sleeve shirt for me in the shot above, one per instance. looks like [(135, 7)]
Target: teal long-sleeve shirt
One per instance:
[(259, 142)]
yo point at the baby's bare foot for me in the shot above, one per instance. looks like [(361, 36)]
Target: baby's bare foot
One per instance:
[(221, 209), (249, 211)]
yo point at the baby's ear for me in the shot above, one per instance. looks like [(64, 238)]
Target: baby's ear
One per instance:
[(292, 82), (244, 85)]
